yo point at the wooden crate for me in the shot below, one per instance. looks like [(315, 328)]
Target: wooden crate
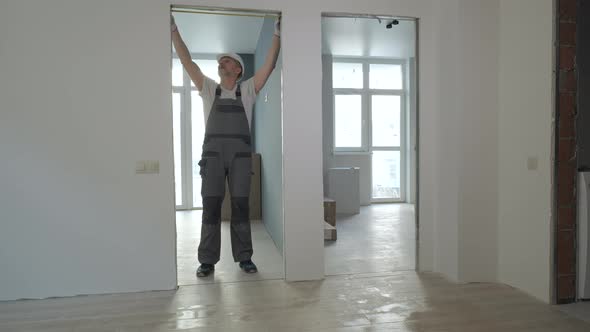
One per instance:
[(329, 232), (329, 219), (330, 211)]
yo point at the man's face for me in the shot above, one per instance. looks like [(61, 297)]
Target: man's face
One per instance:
[(228, 66)]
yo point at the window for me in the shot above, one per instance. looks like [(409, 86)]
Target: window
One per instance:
[(188, 130), (369, 103), (348, 116), (177, 73), (347, 75), (385, 76), (385, 121), (208, 68), (386, 168), (177, 133), (368, 100)]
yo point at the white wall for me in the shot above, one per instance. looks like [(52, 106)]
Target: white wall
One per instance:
[(478, 140), (487, 203), (447, 153), (465, 210), (525, 127), (79, 106), (85, 93), (412, 134)]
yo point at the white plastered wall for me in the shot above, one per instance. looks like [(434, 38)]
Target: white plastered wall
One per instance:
[(526, 95)]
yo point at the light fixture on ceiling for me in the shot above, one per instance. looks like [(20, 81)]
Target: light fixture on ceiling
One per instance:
[(391, 24)]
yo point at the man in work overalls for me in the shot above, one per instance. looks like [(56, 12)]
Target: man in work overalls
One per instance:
[(226, 149)]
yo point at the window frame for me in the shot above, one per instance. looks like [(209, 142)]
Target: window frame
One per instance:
[(187, 131), (366, 94)]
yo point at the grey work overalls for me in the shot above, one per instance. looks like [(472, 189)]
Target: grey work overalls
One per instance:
[(226, 152)]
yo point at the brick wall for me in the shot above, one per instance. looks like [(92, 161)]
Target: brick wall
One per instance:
[(565, 163)]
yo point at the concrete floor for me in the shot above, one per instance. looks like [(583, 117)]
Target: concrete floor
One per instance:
[(266, 255), (381, 238), (579, 310), (401, 301), (392, 301)]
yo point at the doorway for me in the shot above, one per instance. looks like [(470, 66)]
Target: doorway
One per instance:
[(370, 142), (208, 32)]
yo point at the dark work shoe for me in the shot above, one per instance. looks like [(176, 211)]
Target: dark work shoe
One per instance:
[(205, 270), (248, 266)]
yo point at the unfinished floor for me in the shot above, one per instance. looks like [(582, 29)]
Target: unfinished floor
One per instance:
[(188, 232), (580, 310), (393, 301), (381, 238)]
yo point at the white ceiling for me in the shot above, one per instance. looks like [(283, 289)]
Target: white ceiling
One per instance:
[(213, 33), (368, 37)]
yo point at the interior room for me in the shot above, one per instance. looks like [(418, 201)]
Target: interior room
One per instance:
[(91, 219)]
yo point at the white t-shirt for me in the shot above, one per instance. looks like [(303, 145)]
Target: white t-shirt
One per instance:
[(248, 96)]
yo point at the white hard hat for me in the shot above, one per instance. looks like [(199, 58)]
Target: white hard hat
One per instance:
[(235, 57)]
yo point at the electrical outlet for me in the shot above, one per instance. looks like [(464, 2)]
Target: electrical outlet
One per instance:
[(532, 163), (140, 167), (154, 166), (147, 167)]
